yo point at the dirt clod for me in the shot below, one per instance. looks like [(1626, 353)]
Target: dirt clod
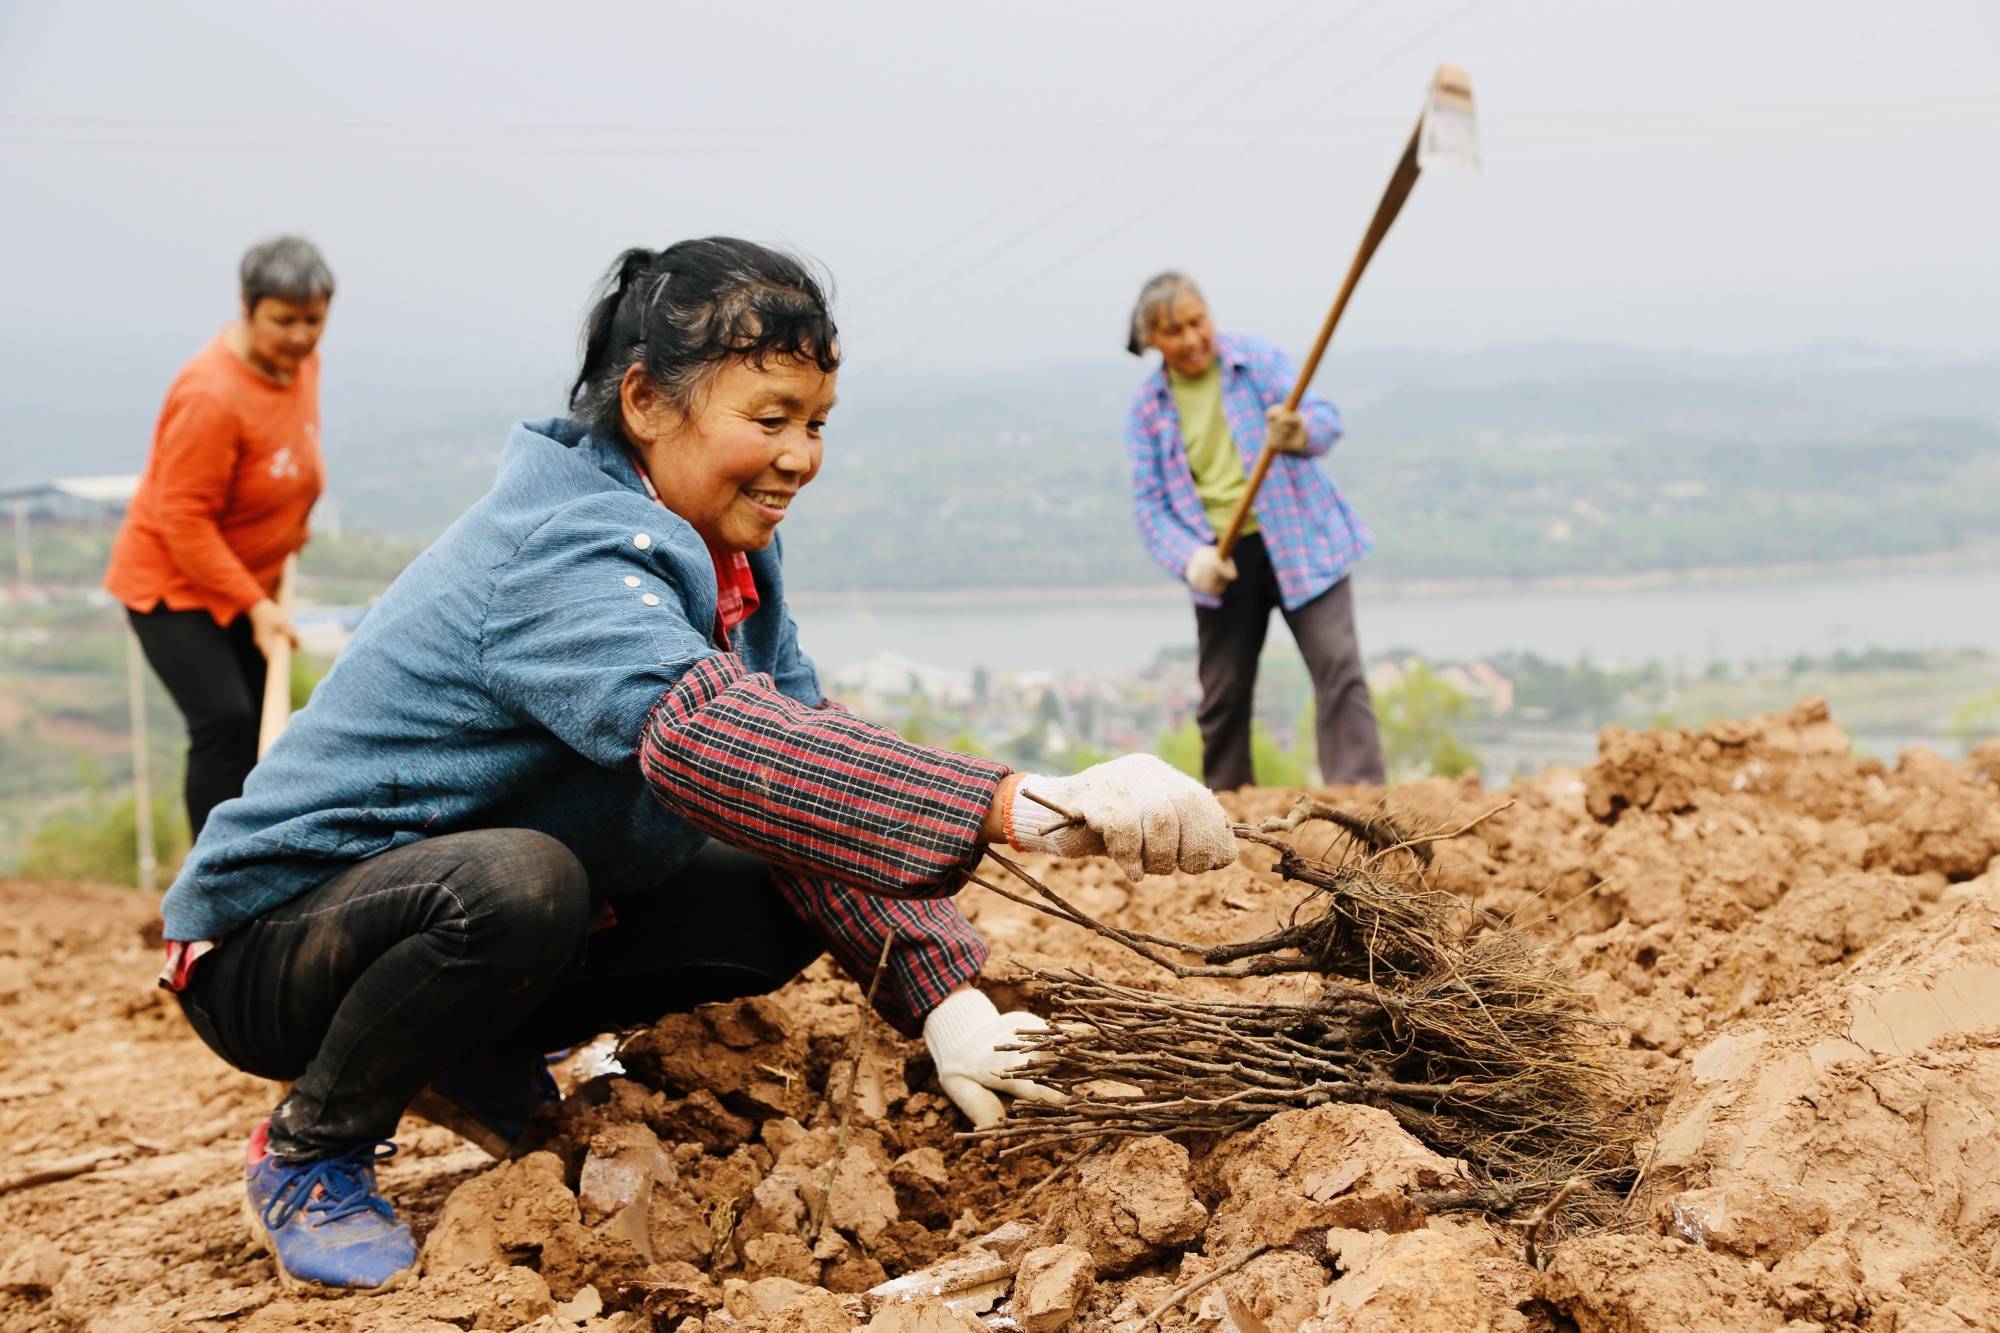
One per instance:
[(1052, 1285), (34, 1269), (1766, 1221), (1336, 1165), (1128, 1206), (1793, 953)]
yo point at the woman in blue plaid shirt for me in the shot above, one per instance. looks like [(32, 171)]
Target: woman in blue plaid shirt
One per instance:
[(1193, 433)]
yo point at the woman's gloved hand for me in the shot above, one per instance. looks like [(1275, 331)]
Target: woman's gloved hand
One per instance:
[(1285, 430), (1207, 572), (962, 1034), (1141, 811)]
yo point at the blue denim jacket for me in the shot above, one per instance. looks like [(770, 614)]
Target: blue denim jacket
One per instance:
[(502, 681)]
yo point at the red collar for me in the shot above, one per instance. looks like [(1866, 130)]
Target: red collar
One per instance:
[(736, 597), (735, 591)]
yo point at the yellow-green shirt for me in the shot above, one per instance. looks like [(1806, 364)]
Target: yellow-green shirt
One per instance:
[(1219, 478)]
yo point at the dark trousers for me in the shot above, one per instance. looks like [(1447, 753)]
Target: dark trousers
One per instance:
[(463, 946), (216, 679), (1230, 638)]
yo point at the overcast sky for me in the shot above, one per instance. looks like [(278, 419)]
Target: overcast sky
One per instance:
[(991, 182)]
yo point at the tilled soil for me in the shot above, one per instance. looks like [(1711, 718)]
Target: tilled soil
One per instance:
[(1799, 950)]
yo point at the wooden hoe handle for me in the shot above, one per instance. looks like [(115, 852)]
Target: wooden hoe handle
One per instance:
[(278, 671), (1400, 182)]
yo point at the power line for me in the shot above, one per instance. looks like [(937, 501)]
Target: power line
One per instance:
[(585, 140), (1180, 186), (1163, 137)]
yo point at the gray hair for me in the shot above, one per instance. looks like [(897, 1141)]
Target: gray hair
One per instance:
[(1155, 299), (287, 267)]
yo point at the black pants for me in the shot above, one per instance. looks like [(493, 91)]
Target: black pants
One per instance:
[(1230, 639), (216, 678), (461, 946)]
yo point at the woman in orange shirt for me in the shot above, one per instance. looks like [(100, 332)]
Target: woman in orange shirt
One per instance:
[(232, 479)]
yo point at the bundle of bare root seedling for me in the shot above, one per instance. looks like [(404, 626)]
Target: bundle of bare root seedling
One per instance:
[(1443, 1015)]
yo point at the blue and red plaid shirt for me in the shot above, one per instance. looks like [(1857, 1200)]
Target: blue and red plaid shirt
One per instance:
[(1313, 537)]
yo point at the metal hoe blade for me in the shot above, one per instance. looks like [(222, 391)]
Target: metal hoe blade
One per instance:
[(1450, 134)]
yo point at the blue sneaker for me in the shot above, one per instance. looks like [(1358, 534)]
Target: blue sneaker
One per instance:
[(491, 1102), (323, 1221)]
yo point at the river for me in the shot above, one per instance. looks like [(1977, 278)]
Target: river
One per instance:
[(1688, 623)]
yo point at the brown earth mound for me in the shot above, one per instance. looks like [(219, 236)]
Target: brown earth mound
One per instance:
[(1801, 950)]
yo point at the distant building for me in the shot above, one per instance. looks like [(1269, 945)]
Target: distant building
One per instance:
[(1384, 676), (87, 501), (1497, 690), (888, 676), (1479, 680), (73, 499)]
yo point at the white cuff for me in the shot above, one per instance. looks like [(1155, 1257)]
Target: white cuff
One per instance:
[(1029, 821)]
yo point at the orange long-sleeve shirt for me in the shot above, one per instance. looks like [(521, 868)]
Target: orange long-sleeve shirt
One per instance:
[(233, 476)]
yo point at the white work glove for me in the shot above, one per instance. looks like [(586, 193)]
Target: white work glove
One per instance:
[(1285, 430), (1140, 810), (962, 1034), (1207, 572)]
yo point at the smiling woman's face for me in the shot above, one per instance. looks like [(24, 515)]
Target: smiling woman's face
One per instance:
[(733, 465)]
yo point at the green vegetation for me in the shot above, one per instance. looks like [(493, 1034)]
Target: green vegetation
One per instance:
[(353, 567), (98, 840), (65, 729), (1575, 691), (1976, 720), (1416, 716), (1045, 483), (333, 571), (63, 553), (1056, 501), (1079, 757), (1273, 764), (307, 672)]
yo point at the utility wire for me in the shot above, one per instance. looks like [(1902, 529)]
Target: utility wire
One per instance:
[(1135, 160), (623, 140), (963, 313), (1146, 120)]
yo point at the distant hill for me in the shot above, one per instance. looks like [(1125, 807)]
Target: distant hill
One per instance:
[(1511, 461)]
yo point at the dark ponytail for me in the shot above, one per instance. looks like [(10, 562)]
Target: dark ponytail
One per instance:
[(683, 311)]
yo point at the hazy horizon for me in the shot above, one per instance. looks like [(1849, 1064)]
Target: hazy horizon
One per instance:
[(1789, 185), (991, 186)]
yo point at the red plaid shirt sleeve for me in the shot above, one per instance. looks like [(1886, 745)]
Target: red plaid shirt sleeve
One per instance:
[(867, 830), (936, 949)]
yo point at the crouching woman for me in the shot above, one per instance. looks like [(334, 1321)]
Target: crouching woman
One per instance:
[(574, 772)]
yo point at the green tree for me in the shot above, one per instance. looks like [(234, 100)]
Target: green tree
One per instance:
[(1079, 757), (99, 842), (1305, 735), (964, 742), (1976, 719), (1181, 747), (1416, 717), (307, 672), (1048, 710), (1273, 766), (1025, 749)]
